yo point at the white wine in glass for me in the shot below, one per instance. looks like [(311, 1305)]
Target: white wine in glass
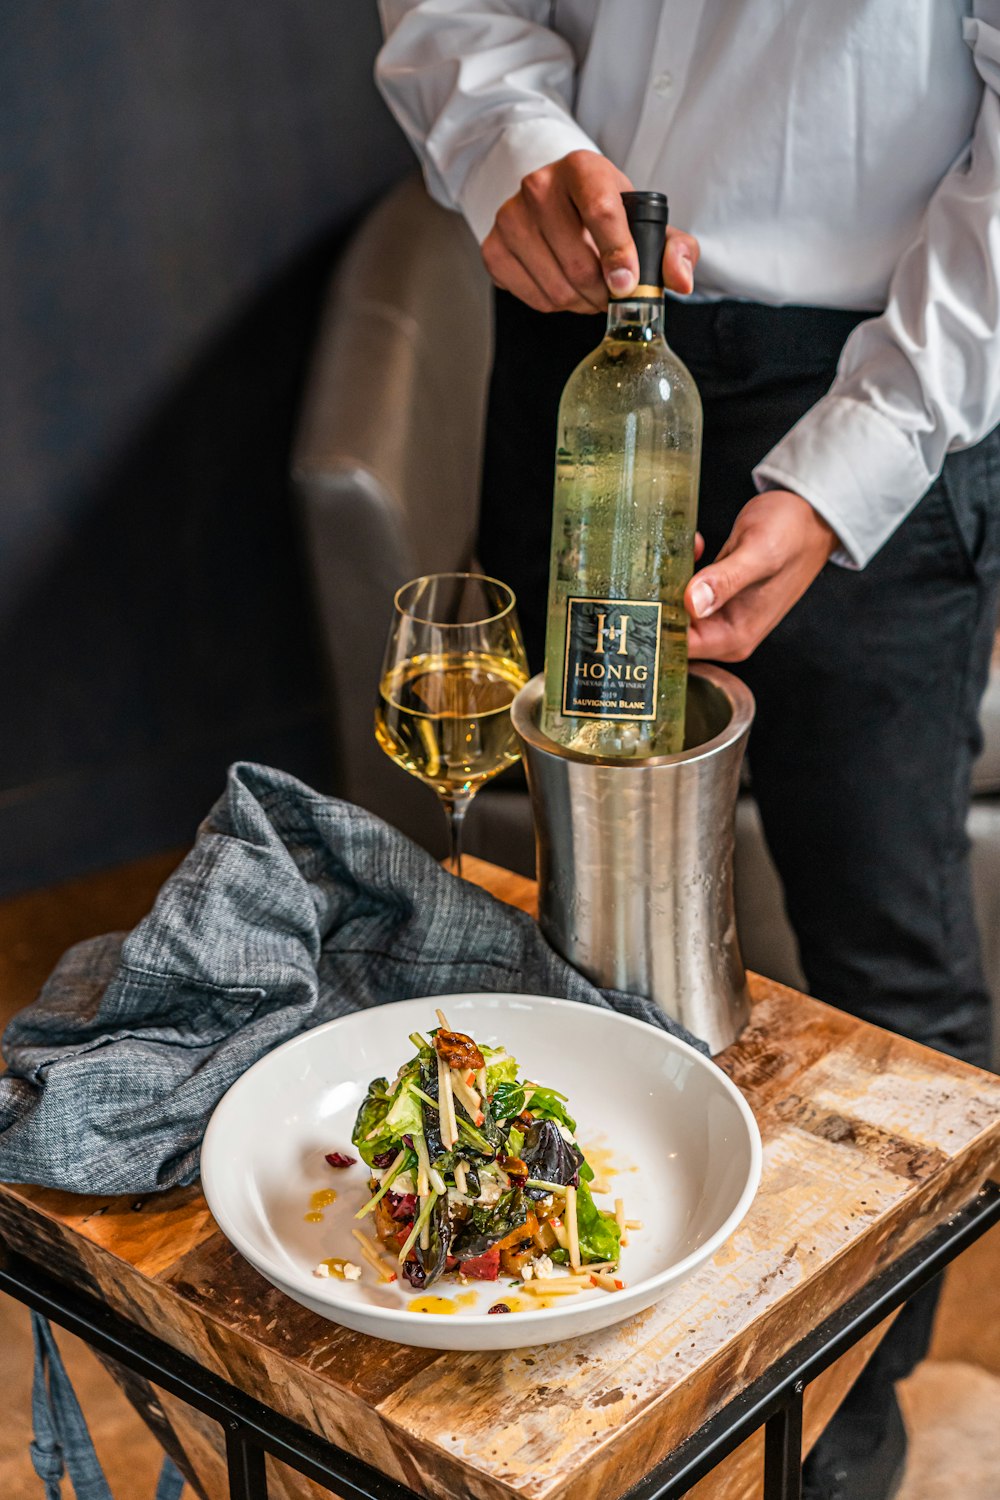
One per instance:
[(454, 663)]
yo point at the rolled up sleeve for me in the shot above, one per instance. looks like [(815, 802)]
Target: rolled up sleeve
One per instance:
[(484, 92), (922, 379)]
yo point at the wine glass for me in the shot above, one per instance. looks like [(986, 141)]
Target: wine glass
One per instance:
[(454, 662)]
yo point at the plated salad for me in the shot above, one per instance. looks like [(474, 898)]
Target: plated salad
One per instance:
[(477, 1173)]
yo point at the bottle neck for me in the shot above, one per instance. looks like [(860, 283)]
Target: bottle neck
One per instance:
[(640, 320)]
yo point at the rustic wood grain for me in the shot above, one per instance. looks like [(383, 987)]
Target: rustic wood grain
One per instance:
[(869, 1141)]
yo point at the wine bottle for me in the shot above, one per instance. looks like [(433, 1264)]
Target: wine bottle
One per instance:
[(626, 486)]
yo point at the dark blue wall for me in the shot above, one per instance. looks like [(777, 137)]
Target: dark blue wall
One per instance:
[(175, 178)]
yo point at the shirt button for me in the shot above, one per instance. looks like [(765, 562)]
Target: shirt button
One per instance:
[(663, 83)]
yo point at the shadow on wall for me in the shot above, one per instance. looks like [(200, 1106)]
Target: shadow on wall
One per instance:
[(176, 181)]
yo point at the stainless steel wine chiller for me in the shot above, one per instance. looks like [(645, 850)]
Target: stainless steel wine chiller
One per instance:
[(635, 858)]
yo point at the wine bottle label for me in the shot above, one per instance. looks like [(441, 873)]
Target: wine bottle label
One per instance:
[(612, 658)]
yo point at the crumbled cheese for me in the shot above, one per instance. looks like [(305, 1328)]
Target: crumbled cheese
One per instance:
[(489, 1188), (542, 1265), (403, 1184), (347, 1271), (527, 1271)]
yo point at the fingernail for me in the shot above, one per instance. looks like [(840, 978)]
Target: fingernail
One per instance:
[(702, 599), (621, 282)]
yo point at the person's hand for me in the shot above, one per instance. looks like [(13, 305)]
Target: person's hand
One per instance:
[(777, 546), (563, 239)]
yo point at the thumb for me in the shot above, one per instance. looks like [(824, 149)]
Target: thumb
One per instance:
[(733, 571)]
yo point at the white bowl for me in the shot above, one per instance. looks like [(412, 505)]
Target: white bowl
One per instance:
[(682, 1151)]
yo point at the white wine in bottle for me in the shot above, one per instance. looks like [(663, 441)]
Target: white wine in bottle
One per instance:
[(626, 488)]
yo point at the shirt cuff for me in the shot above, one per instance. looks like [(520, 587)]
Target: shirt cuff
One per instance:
[(855, 467), (522, 147)]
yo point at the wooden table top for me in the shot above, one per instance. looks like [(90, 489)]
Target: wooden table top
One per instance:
[(869, 1142)]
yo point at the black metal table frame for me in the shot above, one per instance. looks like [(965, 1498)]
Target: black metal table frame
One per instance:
[(773, 1401)]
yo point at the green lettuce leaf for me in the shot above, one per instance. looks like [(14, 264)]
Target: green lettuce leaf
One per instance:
[(503, 1070), (404, 1117), (374, 1108), (548, 1104), (600, 1237), (507, 1102), (394, 1116)]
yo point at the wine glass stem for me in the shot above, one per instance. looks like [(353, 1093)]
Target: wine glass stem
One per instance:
[(455, 810)]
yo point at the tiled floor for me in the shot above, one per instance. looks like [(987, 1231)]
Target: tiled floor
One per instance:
[(952, 1402)]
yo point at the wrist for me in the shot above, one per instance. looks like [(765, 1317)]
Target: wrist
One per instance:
[(807, 520), (827, 538)]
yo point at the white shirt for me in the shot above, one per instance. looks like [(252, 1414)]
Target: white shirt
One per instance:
[(832, 153)]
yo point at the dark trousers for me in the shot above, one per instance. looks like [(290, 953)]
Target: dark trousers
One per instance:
[(867, 692)]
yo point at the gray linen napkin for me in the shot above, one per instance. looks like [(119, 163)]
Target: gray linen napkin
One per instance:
[(291, 908)]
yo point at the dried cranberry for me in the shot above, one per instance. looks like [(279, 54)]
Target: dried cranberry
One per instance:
[(402, 1205), (499, 1307), (338, 1159), (408, 1142), (414, 1273), (384, 1159)]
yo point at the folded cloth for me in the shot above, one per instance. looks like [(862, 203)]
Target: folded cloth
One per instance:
[(292, 908)]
